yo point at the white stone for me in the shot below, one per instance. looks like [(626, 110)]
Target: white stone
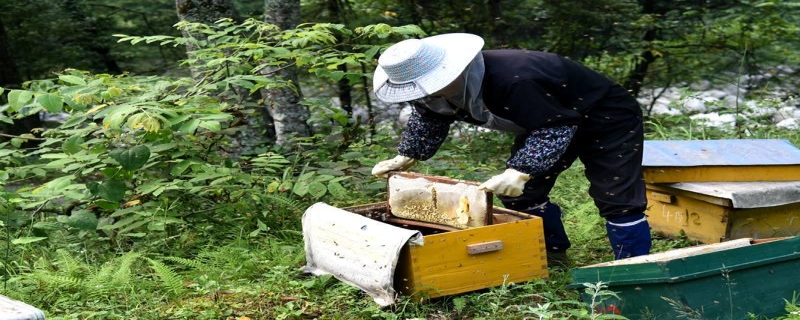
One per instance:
[(792, 124), (716, 93), (785, 113), (663, 109), (714, 119), (702, 85), (692, 105)]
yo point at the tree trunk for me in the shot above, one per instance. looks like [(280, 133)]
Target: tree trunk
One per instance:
[(9, 75), (283, 104), (336, 9), (497, 25), (10, 78), (251, 137), (635, 79), (92, 42), (205, 12)]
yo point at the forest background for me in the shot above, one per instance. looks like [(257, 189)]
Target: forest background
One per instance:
[(156, 156)]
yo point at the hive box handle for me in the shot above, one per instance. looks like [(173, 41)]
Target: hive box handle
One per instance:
[(663, 197), (484, 247)]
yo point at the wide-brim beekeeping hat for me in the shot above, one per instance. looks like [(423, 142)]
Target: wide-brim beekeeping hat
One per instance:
[(415, 68)]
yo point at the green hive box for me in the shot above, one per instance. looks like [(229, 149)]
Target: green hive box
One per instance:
[(728, 280)]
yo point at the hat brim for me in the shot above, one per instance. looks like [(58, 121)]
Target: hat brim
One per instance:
[(460, 49)]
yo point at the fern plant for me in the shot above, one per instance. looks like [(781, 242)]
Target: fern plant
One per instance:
[(67, 276), (170, 280)]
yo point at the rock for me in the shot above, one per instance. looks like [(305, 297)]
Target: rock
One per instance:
[(693, 105), (714, 119), (791, 124)]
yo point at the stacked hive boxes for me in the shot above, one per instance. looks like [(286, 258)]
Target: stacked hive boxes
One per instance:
[(718, 190), (741, 199)]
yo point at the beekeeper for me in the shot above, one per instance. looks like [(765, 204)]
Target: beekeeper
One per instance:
[(560, 110)]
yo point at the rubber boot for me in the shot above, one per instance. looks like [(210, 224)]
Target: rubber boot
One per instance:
[(556, 240), (629, 236)]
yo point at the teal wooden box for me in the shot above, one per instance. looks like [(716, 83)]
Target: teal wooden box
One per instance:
[(728, 280)]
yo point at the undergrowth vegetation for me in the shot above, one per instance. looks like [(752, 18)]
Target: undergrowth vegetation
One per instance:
[(140, 205)]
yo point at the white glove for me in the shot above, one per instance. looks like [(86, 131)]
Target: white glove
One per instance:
[(509, 183), (400, 163)]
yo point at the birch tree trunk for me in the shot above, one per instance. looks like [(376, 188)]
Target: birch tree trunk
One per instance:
[(253, 134), (205, 11), (202, 11), (283, 104)]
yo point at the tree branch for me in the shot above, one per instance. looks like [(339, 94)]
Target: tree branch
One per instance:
[(21, 137)]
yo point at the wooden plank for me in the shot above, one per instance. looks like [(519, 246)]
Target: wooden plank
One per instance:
[(663, 197), (485, 247), (663, 191), (721, 173)]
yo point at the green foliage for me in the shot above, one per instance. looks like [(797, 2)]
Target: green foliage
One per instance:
[(169, 278), (585, 28), (735, 38), (58, 281), (51, 36), (148, 155), (235, 55), (792, 308), (142, 203)]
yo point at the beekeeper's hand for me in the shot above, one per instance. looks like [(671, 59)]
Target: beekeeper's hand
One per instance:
[(398, 163), (509, 183)]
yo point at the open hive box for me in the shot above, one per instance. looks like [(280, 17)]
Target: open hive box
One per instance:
[(718, 190), (727, 280), (434, 236)]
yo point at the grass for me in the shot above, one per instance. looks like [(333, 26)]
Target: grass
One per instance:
[(210, 271), (259, 278)]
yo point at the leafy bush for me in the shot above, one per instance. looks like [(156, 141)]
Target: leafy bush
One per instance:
[(152, 156)]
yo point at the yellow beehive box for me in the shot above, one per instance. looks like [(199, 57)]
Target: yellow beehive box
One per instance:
[(711, 212), (720, 160), (453, 261), (433, 237)]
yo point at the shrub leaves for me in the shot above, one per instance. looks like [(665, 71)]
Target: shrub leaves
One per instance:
[(133, 158)]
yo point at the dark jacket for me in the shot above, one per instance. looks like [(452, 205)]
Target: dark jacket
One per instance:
[(548, 95)]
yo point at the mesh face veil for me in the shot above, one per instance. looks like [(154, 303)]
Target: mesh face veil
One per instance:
[(460, 93), (465, 93)]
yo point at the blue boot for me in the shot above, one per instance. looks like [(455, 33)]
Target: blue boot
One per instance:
[(629, 236), (555, 238)]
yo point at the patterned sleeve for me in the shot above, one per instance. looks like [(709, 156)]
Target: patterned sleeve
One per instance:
[(542, 149), (423, 135)]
